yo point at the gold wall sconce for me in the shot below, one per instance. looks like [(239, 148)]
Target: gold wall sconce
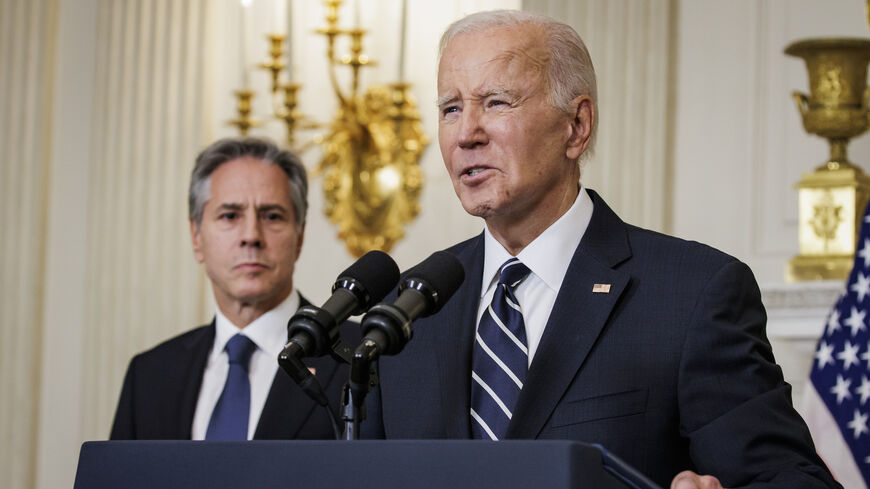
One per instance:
[(371, 148)]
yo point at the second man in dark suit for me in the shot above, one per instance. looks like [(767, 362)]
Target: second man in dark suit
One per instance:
[(247, 206)]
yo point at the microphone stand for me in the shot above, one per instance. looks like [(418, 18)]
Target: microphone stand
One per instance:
[(290, 362), (362, 378)]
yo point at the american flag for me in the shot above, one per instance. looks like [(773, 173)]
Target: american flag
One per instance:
[(837, 403)]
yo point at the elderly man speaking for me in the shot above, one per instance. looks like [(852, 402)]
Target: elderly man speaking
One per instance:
[(572, 324)]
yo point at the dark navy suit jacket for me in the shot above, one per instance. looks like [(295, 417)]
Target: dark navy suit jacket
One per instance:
[(670, 370), (162, 385)]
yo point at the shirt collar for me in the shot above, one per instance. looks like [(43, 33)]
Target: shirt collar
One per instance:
[(548, 255), (268, 332)]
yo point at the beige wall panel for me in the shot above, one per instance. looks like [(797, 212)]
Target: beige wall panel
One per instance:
[(26, 51), (143, 284), (630, 43)]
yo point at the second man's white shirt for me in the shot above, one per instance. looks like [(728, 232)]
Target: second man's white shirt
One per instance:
[(269, 333)]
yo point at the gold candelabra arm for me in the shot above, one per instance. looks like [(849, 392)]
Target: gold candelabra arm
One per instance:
[(331, 15), (371, 148), (244, 121), (336, 88), (294, 119), (276, 63), (331, 31), (356, 59), (288, 113)]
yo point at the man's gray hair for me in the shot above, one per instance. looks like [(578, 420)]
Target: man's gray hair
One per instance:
[(229, 149), (569, 73)]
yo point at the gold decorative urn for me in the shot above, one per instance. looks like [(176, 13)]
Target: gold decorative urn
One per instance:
[(832, 198)]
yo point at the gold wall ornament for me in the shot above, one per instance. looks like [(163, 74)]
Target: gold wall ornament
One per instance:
[(831, 199), (827, 216), (371, 149), (371, 179), (244, 121)]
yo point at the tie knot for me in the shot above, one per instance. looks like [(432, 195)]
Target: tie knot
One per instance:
[(512, 273), (239, 349)]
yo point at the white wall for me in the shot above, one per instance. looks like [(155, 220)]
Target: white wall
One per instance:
[(739, 143)]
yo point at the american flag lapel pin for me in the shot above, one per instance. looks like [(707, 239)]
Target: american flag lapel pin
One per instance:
[(601, 289)]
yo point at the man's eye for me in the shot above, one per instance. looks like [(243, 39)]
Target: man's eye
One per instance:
[(227, 216), (494, 102), (274, 216), (450, 110)]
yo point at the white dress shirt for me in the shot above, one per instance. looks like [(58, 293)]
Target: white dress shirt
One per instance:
[(548, 257), (269, 333)]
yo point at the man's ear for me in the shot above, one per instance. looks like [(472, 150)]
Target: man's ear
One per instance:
[(195, 240), (581, 127)]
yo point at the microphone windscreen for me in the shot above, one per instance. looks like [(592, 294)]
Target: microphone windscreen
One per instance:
[(443, 273), (376, 272)]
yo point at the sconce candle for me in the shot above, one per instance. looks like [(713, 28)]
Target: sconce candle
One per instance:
[(290, 66), (243, 41), (402, 40), (278, 15), (356, 14)]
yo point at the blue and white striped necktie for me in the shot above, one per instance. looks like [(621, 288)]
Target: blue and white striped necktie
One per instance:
[(500, 357)]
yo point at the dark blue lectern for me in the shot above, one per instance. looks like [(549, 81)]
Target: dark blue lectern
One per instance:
[(357, 464)]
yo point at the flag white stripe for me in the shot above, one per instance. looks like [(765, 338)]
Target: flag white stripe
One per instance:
[(497, 360), (483, 425), (829, 441), (492, 393), (506, 331)]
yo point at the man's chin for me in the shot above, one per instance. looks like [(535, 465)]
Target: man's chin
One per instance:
[(482, 210), (254, 295), (256, 292)]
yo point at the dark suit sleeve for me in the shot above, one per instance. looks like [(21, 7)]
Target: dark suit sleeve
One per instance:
[(735, 407), (124, 427)]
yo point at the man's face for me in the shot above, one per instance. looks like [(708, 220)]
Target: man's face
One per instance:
[(248, 239), (510, 154)]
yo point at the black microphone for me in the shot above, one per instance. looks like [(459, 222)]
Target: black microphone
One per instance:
[(386, 328), (423, 290), (314, 330)]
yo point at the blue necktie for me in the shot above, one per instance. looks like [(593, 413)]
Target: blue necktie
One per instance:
[(500, 357), (229, 420)]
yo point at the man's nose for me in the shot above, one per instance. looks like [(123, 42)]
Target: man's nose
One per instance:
[(471, 128), (252, 232)]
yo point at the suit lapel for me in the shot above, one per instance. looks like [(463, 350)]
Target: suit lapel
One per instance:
[(287, 408), (285, 411), (578, 318), (197, 349), (454, 345)]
